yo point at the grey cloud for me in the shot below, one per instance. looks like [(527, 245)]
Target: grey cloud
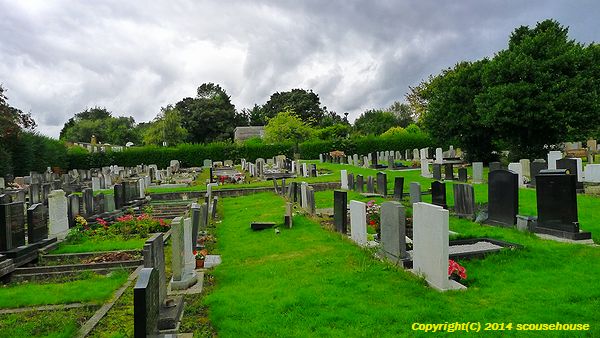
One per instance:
[(58, 58)]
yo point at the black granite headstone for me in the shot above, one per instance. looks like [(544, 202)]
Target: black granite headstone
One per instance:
[(370, 185), (537, 166), (557, 204), (37, 223), (448, 172), (437, 171), (382, 183), (351, 181), (119, 196), (503, 197), (374, 163), (462, 174), (12, 226), (438, 194), (570, 164), (72, 208), (340, 211), (146, 304), (360, 183), (398, 187), (87, 198), (464, 200)]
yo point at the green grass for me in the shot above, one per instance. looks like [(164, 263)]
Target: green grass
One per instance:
[(96, 289), (101, 245), (55, 324), (308, 281)]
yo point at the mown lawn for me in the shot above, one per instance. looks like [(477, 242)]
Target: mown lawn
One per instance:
[(93, 245), (308, 281)]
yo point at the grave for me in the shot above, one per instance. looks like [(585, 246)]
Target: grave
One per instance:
[(184, 275), (340, 211), (261, 225), (557, 205), (464, 200), (437, 171), (288, 218), (358, 222), (438, 194), (360, 183), (37, 223), (462, 174), (573, 166), (448, 172), (146, 304), (382, 184), (58, 224), (537, 166), (495, 166), (393, 231), (503, 197), (430, 245), (344, 179), (398, 187), (415, 192)]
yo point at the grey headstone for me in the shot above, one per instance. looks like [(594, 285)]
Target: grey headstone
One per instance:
[(382, 183), (37, 223), (464, 200), (370, 185), (360, 183), (415, 192), (393, 230), (398, 187), (437, 171)]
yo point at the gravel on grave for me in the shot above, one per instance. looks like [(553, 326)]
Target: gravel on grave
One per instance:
[(466, 248)]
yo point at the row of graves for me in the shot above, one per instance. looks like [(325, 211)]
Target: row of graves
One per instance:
[(158, 303), (279, 167)]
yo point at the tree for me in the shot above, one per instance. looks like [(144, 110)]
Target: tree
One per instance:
[(12, 120), (100, 122), (210, 116), (287, 126), (336, 131), (305, 104), (167, 128), (330, 118), (404, 113), (394, 132), (375, 122)]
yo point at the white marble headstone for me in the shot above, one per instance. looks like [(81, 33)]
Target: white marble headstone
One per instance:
[(58, 221), (553, 156), (344, 179), (358, 222)]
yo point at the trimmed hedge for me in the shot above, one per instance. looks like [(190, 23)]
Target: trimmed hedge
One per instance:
[(193, 155), (31, 152)]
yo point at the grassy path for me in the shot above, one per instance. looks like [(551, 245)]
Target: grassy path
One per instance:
[(308, 282)]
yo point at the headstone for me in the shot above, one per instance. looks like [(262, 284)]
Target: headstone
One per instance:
[(495, 166), (95, 183), (310, 194), (464, 200), (592, 173), (154, 257), (34, 193), (142, 188), (196, 214), (537, 166), (526, 168), (184, 275), (448, 172), (119, 193), (425, 168), (437, 171), (382, 183), (360, 183), (503, 197), (398, 187), (438, 194), (439, 155), (393, 230), (214, 207), (146, 304), (358, 222), (374, 162), (73, 209), (370, 185), (12, 226), (477, 172), (416, 155), (431, 245), (573, 166), (557, 204), (516, 168), (303, 195), (355, 158), (553, 156), (340, 211), (37, 223), (462, 174), (351, 181), (87, 198), (415, 192), (344, 178), (391, 162), (288, 218), (58, 224)]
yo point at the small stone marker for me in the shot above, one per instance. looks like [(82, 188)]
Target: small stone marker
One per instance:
[(537, 166), (382, 183), (370, 185), (261, 225), (437, 171), (448, 172), (184, 275), (462, 174), (344, 178), (360, 184)]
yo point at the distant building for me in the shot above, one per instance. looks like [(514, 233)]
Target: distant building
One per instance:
[(244, 133)]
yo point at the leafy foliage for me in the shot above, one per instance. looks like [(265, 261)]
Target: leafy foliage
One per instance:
[(306, 105), (375, 122), (166, 127), (100, 122), (287, 127)]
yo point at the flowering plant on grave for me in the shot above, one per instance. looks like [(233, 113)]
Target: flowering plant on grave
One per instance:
[(373, 214), (200, 255), (456, 270), (80, 221)]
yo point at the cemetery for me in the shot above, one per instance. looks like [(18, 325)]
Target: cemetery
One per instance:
[(368, 237)]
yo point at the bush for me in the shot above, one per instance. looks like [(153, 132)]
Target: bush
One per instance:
[(31, 152), (394, 132)]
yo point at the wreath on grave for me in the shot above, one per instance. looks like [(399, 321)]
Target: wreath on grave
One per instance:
[(456, 271)]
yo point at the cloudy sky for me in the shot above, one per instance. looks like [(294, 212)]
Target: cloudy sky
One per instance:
[(58, 58)]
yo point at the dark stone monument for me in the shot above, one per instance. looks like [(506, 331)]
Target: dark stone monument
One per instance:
[(537, 166), (382, 183), (99, 203), (503, 197), (462, 174), (557, 205), (370, 185), (437, 171), (72, 208), (464, 200), (313, 170), (374, 163), (360, 183), (351, 181), (146, 304), (398, 187), (196, 216), (261, 225), (87, 197), (495, 166), (438, 194), (294, 191), (213, 213), (340, 211), (119, 196), (448, 172), (12, 226), (570, 164), (391, 162), (37, 223)]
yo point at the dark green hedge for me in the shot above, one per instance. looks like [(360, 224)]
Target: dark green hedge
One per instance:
[(191, 155), (31, 152)]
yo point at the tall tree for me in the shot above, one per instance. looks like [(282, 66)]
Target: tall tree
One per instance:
[(305, 104), (100, 122), (287, 126), (167, 127), (404, 112), (210, 116), (375, 122)]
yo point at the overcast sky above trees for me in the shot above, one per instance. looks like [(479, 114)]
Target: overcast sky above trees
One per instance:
[(58, 58)]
